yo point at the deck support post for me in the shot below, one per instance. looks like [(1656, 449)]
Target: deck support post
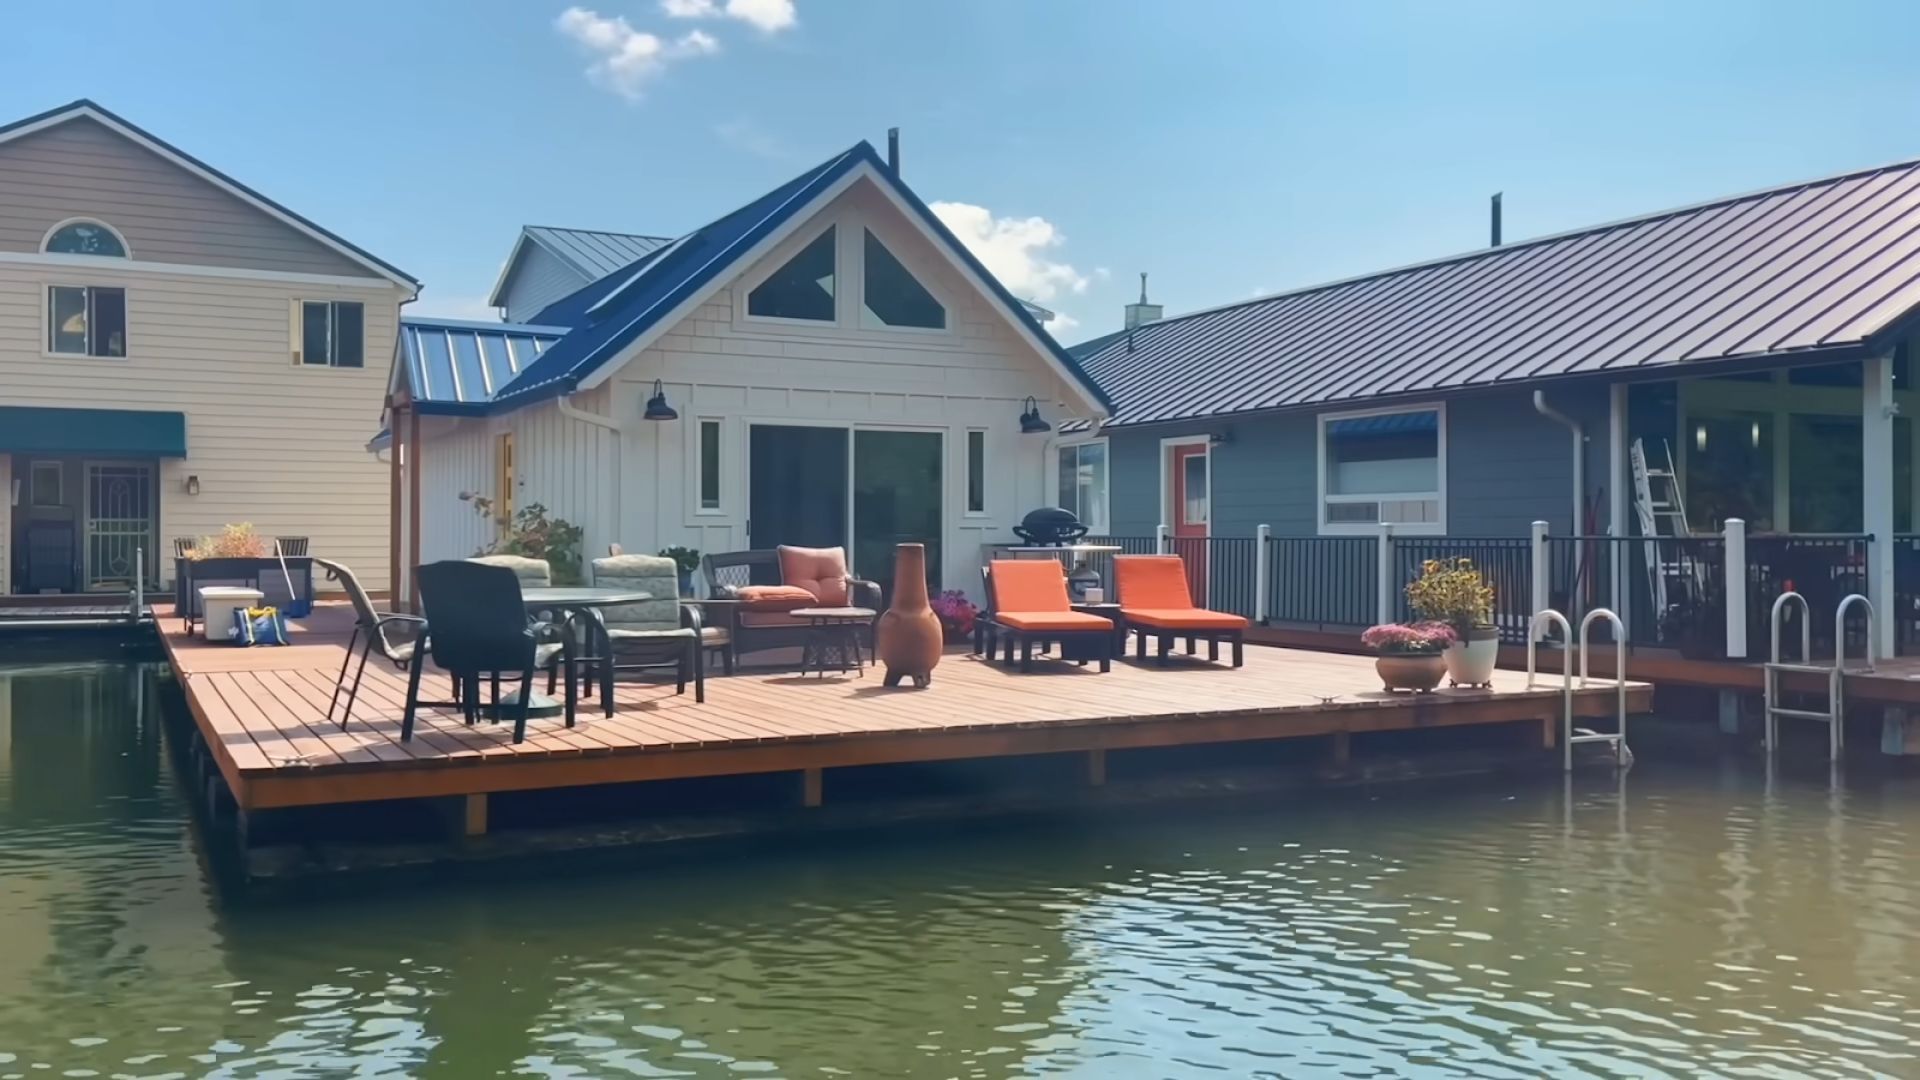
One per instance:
[(1262, 540), (1384, 587), (1734, 588), (1729, 711), (1096, 767), (473, 819), (1340, 750), (1899, 734), (811, 787), (1877, 410), (1542, 584)]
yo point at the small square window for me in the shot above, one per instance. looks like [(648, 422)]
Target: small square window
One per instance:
[(800, 289), (332, 333), (86, 320)]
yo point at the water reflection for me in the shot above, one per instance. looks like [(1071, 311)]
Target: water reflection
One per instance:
[(1683, 921)]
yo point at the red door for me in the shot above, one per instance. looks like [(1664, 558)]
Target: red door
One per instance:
[(1189, 495)]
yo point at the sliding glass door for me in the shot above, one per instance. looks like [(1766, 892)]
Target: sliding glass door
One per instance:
[(896, 499), (798, 486)]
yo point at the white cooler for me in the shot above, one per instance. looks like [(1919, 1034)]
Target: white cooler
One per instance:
[(217, 605)]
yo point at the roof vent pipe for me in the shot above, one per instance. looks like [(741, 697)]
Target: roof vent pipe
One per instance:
[(1579, 454), (893, 150), (1496, 219)]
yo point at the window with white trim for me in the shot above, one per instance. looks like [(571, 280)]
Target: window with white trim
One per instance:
[(803, 286), (709, 465), (1383, 467), (86, 320), (331, 333), (1083, 484), (891, 296), (976, 471), (85, 237)]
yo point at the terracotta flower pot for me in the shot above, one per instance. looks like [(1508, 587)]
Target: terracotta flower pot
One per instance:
[(1419, 672), (909, 638), (1471, 660)]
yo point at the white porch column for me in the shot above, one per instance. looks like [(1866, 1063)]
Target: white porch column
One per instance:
[(1262, 540), (1877, 410), (1162, 544), (1542, 593), (1384, 602), (1735, 588), (1618, 479)]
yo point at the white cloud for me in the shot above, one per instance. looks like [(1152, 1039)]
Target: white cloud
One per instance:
[(767, 16), (625, 59), (1060, 324), (749, 138), (1016, 250)]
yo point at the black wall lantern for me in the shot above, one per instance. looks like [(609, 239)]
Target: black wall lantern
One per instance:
[(657, 407), (1030, 422)]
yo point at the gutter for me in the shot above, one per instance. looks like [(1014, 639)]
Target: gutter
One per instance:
[(1579, 452)]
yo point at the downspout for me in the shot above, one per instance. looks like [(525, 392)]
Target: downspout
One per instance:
[(565, 404), (1579, 453)]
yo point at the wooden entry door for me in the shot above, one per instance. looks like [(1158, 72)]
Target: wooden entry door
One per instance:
[(1188, 493)]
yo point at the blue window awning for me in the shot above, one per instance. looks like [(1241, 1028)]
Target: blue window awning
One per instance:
[(117, 432), (1395, 423)]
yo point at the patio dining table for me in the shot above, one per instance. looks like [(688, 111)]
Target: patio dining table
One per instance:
[(577, 605)]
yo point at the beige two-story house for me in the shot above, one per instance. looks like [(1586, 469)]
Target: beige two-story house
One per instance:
[(177, 352)]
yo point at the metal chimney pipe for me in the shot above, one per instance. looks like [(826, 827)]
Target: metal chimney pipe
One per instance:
[(893, 150), (1496, 219)]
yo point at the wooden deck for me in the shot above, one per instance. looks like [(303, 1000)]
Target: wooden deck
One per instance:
[(261, 712)]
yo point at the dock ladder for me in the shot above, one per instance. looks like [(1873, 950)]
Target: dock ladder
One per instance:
[(1835, 714), (1618, 736)]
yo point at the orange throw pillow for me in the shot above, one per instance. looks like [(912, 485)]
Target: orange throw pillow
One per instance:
[(820, 571), (775, 598)]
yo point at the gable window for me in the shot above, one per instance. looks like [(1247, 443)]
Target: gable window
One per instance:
[(1083, 484), (1383, 467), (86, 320), (893, 297), (709, 464), (800, 289), (85, 238), (331, 333), (976, 471)]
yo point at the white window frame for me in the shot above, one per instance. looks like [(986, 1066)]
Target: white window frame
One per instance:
[(860, 297), (986, 472), (700, 507), (299, 334), (1102, 528), (46, 321), (47, 238), (777, 261), (1358, 528)]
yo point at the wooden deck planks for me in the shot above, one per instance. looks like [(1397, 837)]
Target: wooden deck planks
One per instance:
[(264, 711)]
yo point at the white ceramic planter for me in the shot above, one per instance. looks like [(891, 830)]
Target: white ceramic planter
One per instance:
[(1471, 662)]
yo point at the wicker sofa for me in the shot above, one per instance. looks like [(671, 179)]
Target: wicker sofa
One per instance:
[(727, 573)]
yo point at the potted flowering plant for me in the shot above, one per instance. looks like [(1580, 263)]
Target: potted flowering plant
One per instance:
[(1408, 656), (956, 613), (1451, 591)]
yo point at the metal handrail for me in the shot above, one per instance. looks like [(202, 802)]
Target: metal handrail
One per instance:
[(1566, 676), (1839, 635), (1619, 675), (1806, 626), (1549, 615)]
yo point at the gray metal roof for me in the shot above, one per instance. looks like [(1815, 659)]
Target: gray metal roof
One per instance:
[(593, 252), (1815, 268)]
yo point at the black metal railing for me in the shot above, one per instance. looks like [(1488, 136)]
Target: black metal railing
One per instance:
[(1589, 572), (1327, 582), (1504, 562), (1824, 570), (1906, 593), (1232, 574)]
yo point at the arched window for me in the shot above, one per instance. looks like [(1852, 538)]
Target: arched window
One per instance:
[(82, 236)]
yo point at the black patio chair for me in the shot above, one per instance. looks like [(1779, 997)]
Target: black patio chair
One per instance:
[(477, 625), (371, 629)]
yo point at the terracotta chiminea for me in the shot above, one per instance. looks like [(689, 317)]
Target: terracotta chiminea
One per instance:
[(909, 638)]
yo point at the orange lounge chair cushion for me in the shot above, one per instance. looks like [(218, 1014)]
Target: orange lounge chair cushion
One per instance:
[(764, 599), (1152, 582), (1029, 585), (820, 571), (1183, 619), (1052, 620)]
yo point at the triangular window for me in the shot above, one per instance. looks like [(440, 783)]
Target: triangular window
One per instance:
[(893, 297), (802, 289)]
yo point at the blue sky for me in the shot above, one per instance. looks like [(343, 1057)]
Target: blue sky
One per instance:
[(1228, 148)]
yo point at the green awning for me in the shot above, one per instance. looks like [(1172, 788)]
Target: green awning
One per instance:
[(117, 432)]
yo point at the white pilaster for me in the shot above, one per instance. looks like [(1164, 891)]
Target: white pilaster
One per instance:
[(1262, 540), (1877, 410), (1617, 481), (1540, 564), (1384, 605), (1734, 588)]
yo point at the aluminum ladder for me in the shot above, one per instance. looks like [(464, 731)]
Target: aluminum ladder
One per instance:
[(1653, 509), (1835, 714), (1617, 737)]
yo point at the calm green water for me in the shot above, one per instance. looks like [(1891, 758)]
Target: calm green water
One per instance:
[(1701, 924)]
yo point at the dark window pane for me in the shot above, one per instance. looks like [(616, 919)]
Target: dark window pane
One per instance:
[(67, 320), (313, 333), (802, 289), (348, 331), (109, 323), (709, 465), (976, 471), (85, 238), (893, 296)]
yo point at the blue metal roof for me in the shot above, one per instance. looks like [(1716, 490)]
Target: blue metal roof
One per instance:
[(455, 367), (610, 314), (1824, 271)]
